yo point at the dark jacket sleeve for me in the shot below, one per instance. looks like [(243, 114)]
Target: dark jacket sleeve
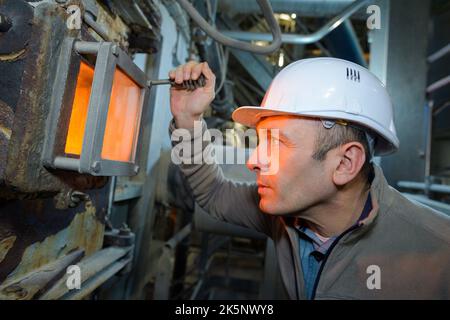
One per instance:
[(224, 199)]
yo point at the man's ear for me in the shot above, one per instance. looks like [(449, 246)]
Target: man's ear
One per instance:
[(351, 158)]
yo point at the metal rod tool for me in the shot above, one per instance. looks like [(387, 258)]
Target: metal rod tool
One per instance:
[(189, 85)]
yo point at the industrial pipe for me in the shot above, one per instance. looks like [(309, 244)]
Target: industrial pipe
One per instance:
[(344, 43), (89, 19), (422, 186), (438, 84), (303, 8), (439, 54), (302, 38), (229, 42), (178, 237)]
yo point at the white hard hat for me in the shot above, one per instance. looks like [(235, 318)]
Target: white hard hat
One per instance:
[(329, 88)]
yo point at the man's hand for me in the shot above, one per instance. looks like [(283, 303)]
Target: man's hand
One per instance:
[(188, 106)]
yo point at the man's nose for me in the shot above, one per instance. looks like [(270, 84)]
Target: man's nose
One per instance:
[(258, 160), (251, 162)]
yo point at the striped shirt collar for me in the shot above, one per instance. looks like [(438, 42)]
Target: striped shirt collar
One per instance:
[(323, 246)]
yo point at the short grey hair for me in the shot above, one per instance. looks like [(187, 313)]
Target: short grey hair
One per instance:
[(335, 135)]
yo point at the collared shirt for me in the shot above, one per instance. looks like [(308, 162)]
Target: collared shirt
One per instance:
[(313, 249)]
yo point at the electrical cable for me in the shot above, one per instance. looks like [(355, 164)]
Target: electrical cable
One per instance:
[(237, 44)]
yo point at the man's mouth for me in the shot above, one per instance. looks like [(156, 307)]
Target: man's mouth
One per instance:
[(262, 187)]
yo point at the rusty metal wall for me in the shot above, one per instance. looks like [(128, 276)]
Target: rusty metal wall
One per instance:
[(43, 225)]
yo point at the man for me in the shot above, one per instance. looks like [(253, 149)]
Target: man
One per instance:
[(340, 231)]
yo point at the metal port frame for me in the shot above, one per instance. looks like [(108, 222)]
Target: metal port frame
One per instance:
[(108, 57)]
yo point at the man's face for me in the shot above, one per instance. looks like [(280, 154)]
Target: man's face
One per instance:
[(289, 179)]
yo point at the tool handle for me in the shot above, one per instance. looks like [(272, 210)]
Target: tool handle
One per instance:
[(190, 85)]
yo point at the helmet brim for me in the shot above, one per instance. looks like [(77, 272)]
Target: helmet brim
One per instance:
[(250, 116)]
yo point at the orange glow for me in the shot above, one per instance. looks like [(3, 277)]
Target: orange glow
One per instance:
[(74, 141), (122, 124)]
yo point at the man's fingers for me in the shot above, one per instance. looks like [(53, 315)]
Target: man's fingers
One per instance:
[(187, 69), (196, 71), (209, 75), (193, 70), (179, 75)]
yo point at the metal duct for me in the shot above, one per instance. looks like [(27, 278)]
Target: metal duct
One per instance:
[(305, 8), (338, 33), (343, 43)]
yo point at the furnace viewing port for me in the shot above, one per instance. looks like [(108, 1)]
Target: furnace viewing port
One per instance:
[(95, 118)]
